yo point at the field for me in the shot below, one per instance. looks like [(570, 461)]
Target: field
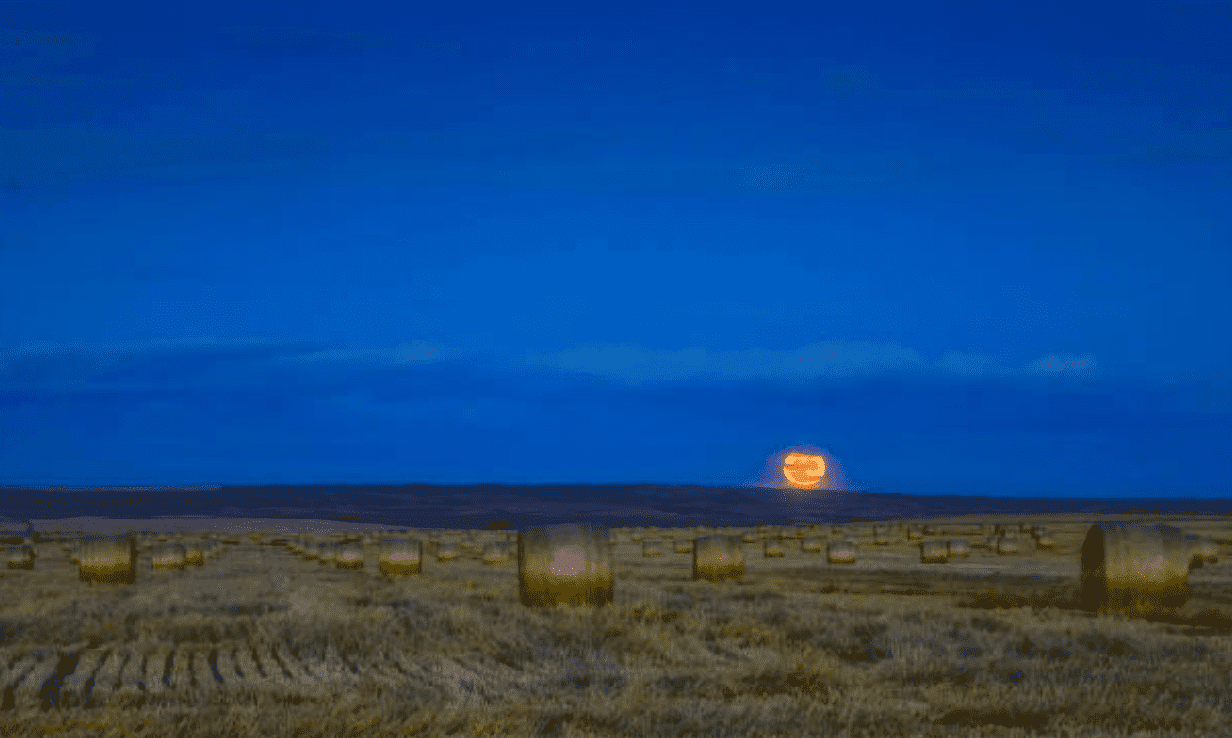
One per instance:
[(261, 642)]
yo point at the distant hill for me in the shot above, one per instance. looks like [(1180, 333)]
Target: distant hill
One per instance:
[(510, 506)]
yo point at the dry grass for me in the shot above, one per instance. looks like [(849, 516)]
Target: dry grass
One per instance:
[(260, 644)]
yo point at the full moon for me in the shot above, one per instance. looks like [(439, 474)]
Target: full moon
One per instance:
[(804, 471)]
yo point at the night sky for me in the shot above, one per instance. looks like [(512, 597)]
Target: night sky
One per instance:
[(963, 248)]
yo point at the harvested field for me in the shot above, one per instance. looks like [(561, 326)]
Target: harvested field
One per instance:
[(262, 642)]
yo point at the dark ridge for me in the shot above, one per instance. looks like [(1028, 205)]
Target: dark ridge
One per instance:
[(499, 506)]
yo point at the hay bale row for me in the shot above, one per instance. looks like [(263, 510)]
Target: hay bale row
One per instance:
[(564, 565), (717, 558), (108, 561)]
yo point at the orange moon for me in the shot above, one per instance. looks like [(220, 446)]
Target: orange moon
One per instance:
[(804, 471)]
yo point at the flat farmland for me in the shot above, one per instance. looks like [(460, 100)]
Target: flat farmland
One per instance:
[(260, 641)]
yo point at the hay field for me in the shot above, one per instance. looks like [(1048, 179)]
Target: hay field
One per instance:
[(260, 642)]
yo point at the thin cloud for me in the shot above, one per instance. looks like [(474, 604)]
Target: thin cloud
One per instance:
[(816, 361), (415, 352), (1054, 364), (205, 362)]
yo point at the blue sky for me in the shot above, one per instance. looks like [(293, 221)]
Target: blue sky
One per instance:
[(965, 248)]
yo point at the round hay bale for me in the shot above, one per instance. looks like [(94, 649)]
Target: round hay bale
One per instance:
[(1026, 529), (447, 551), (841, 552), (194, 554), (652, 549), (810, 545), (933, 552), (19, 557), (915, 533), (774, 549), (28, 542), (111, 560), (683, 545), (958, 548), (1135, 565), (748, 536), (468, 545), (326, 552), (1044, 540), (638, 535), (932, 530), (497, 553), (1007, 546), (881, 536), (1205, 551), (401, 556), (167, 556), (716, 558), (568, 564), (350, 555)]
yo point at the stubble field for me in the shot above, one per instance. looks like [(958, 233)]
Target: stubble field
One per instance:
[(263, 642)]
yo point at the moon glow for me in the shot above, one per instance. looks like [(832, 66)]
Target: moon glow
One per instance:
[(804, 471)]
